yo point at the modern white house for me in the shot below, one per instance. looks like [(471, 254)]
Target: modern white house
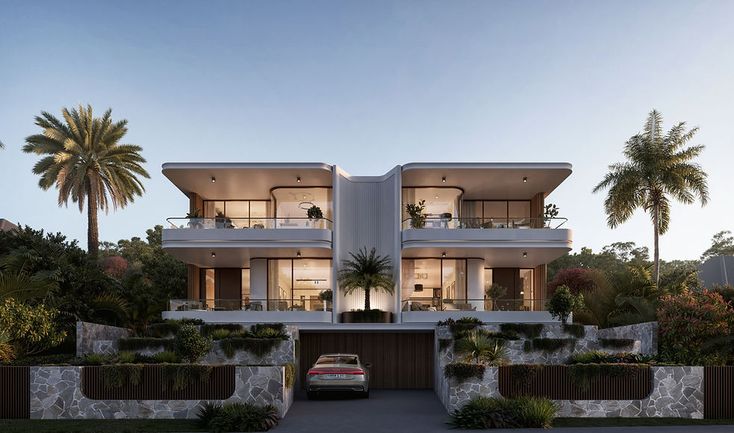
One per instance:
[(254, 255)]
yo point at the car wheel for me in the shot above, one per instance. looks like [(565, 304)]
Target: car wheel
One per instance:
[(311, 395)]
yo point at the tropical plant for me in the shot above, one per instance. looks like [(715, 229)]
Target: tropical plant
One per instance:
[(326, 295), (22, 286), (85, 160), (7, 353), (366, 271), (658, 168), (189, 344), (488, 413), (690, 320), (563, 303), (480, 348), (549, 212), (30, 329), (242, 417), (417, 217), (314, 212)]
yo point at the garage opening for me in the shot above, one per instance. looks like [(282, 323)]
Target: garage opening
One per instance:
[(400, 360)]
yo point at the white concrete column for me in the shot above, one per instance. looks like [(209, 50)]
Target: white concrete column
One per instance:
[(475, 283), (259, 281)]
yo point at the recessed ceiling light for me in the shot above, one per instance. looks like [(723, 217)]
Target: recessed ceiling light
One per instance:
[(436, 196), (443, 179), (214, 179), (214, 255), (298, 254), (525, 179), (524, 254), (443, 254), (298, 179)]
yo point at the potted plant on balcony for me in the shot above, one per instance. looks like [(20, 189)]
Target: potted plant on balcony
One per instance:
[(222, 222), (195, 219), (551, 211), (495, 292), (366, 271), (314, 214), (326, 297), (417, 217)]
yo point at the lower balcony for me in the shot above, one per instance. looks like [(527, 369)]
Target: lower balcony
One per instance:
[(427, 309), (250, 310)]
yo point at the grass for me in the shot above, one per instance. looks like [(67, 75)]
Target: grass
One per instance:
[(99, 426), (630, 422)]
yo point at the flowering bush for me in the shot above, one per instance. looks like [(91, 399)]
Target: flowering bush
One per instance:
[(29, 329), (689, 325)]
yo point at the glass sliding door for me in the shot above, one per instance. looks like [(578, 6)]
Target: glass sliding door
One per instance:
[(434, 284), (224, 288), (295, 284)]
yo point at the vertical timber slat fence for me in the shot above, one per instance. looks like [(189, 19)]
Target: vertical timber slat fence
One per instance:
[(15, 392), (718, 392)]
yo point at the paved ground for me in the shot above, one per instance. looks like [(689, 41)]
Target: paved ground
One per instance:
[(412, 412)]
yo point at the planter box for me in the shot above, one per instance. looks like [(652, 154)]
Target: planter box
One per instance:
[(362, 317)]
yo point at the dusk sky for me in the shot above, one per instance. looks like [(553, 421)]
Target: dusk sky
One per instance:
[(372, 84)]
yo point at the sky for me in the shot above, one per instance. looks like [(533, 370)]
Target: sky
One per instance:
[(372, 84)]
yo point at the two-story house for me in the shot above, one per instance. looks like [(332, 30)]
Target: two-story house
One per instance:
[(263, 240)]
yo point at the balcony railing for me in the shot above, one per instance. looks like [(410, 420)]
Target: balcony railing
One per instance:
[(447, 222), (249, 223), (248, 305), (436, 304)]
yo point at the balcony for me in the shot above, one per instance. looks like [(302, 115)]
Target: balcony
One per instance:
[(483, 223), (427, 309), (250, 310)]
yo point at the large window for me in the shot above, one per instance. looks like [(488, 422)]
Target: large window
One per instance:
[(294, 203), (295, 284), (238, 213), (225, 288), (442, 204), (497, 213), (438, 284), (520, 289)]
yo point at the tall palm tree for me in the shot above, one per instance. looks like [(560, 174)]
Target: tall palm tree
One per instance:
[(658, 167), (86, 162), (366, 271)]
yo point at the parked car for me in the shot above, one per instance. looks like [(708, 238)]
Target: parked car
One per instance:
[(338, 372)]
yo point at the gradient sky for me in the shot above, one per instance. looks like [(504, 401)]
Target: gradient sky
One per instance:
[(371, 84)]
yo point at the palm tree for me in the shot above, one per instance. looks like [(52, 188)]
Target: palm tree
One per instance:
[(479, 347), (86, 162), (366, 271), (658, 167)]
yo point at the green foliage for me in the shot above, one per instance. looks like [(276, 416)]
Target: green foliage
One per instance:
[(269, 330), (461, 371), (722, 244), (181, 376), (496, 291), (487, 413), (290, 374), (524, 374), (142, 343), (314, 212), (366, 271), (29, 329), (549, 344), (326, 295), (598, 357), (117, 376), (95, 359), (259, 347), (125, 357), (688, 321), (445, 343), (479, 348), (190, 345), (417, 217), (658, 167), (165, 357), (7, 353), (219, 334), (529, 330), (578, 331), (616, 343), (461, 326), (582, 375), (208, 329), (241, 417), (563, 303), (208, 411), (165, 329)]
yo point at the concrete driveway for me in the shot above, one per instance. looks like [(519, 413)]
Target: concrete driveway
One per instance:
[(412, 412)]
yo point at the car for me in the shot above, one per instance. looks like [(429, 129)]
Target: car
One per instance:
[(338, 372)]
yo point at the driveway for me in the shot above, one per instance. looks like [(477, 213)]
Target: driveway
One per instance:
[(414, 412)]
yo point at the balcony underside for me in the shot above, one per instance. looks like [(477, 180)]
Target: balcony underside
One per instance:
[(237, 255)]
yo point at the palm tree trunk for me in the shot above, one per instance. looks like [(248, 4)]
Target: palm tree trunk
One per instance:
[(656, 248), (367, 300), (92, 227)]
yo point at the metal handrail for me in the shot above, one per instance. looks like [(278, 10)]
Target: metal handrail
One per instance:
[(248, 304), (249, 222), (419, 303), (501, 222)]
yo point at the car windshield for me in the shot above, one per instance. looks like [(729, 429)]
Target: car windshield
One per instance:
[(337, 360)]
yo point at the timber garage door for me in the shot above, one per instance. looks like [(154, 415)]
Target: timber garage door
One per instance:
[(400, 360)]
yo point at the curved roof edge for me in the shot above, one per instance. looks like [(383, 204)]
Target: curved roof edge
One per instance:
[(486, 165), (214, 165)]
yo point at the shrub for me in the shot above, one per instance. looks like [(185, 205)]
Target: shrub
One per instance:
[(549, 344), (190, 345), (445, 343), (180, 376), (165, 357), (479, 348), (219, 334), (597, 357), (575, 329), (116, 376), (126, 357), (95, 359), (529, 330), (7, 354), (142, 343), (461, 371), (578, 280), (523, 374), (195, 322), (616, 342), (485, 413), (29, 329), (688, 322), (257, 346), (162, 329), (243, 417), (461, 326), (563, 303), (207, 413), (209, 329), (257, 329), (582, 375)]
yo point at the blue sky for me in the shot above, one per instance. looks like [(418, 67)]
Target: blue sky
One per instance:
[(371, 84)]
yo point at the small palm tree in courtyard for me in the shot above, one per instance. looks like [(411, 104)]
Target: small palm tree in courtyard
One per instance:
[(659, 168), (480, 348), (84, 159), (366, 271)]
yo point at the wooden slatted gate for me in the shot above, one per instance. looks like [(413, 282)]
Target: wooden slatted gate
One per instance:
[(718, 392), (400, 360), (15, 392)]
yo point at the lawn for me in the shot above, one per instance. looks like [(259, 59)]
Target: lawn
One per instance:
[(98, 426)]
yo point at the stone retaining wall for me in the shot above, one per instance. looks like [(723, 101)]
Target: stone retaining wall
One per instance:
[(96, 338), (677, 393), (646, 333), (56, 394)]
